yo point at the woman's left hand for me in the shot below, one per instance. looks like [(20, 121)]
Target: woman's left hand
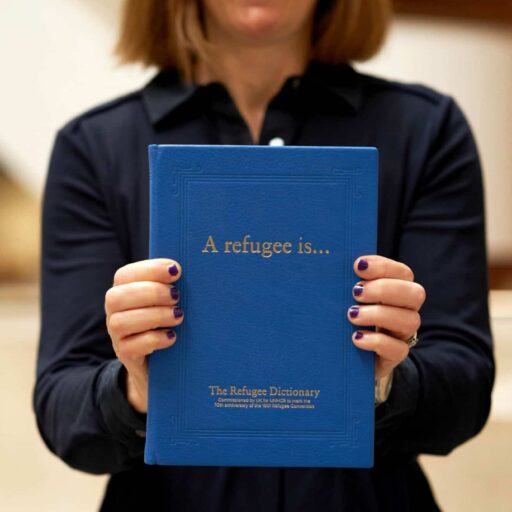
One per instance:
[(389, 300)]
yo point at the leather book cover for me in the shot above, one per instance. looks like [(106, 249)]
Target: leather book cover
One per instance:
[(264, 371)]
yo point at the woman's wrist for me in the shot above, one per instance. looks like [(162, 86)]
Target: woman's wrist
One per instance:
[(383, 388), (136, 393)]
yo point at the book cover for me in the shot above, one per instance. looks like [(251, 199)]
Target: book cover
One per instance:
[(264, 371)]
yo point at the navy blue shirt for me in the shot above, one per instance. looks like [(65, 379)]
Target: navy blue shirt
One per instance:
[(95, 220)]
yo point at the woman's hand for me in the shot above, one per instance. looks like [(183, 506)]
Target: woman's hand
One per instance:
[(141, 309), (390, 300)]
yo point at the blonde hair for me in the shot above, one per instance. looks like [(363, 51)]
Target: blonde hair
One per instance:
[(169, 33)]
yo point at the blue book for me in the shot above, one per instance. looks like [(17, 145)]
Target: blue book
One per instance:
[(264, 371)]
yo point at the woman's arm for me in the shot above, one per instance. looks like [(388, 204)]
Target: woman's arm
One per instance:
[(441, 392), (81, 409)]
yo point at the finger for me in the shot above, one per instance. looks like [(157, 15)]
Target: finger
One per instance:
[(140, 294), (390, 351), (377, 267), (385, 346), (392, 292), (400, 322), (143, 344), (133, 321), (160, 270)]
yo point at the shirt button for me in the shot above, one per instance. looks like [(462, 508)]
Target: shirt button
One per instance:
[(295, 83), (276, 141)]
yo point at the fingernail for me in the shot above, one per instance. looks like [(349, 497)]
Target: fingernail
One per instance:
[(359, 335), (353, 311), (175, 293), (178, 312), (173, 270), (358, 290), (171, 334), (362, 265)]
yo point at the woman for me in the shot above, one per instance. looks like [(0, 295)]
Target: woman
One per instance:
[(244, 72)]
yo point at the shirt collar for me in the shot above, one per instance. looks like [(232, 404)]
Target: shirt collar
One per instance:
[(167, 91), (341, 80)]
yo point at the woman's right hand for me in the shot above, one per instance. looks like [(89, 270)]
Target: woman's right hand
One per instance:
[(141, 311)]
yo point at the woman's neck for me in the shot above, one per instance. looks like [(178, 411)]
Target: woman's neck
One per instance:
[(253, 75)]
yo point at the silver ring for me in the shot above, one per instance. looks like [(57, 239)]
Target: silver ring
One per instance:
[(412, 341)]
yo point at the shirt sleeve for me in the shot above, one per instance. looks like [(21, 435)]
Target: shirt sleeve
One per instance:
[(441, 393), (81, 410)]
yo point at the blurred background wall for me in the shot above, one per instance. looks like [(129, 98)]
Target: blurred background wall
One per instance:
[(56, 62)]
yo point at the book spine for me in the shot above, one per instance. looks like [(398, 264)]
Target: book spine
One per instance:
[(153, 152)]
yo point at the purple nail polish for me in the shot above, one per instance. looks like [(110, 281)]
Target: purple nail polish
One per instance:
[(178, 312), (353, 312), (359, 335), (171, 334), (358, 290), (175, 293), (173, 270), (362, 265)]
